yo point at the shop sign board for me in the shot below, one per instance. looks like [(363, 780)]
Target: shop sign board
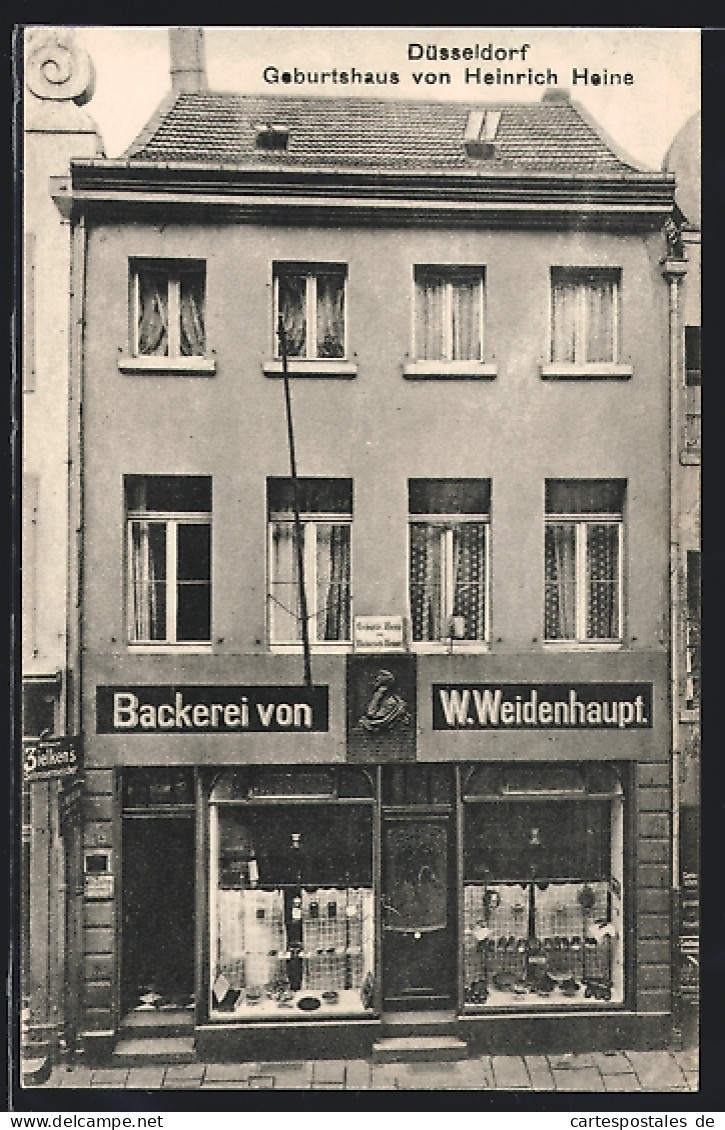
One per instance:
[(195, 709), (379, 633), (542, 706), (47, 759)]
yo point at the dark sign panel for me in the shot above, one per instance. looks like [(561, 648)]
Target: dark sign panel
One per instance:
[(211, 709), (381, 715), (48, 758), (542, 706)]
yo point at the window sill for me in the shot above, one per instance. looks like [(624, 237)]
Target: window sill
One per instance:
[(449, 371), (315, 367), (170, 648), (334, 647), (583, 645), (596, 371), (168, 366), (444, 647)]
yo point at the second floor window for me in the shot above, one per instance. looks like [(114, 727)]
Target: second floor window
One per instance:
[(449, 314), (168, 558), (448, 558), (311, 301), (168, 314), (326, 527), (583, 560), (584, 315)]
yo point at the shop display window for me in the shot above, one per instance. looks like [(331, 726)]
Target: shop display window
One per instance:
[(543, 881), (292, 909)]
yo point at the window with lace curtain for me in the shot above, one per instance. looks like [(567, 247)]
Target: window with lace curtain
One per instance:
[(449, 314), (168, 519), (168, 316), (583, 560), (448, 524), (325, 507), (584, 315), (311, 301)]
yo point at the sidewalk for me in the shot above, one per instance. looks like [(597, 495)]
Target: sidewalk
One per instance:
[(588, 1072)]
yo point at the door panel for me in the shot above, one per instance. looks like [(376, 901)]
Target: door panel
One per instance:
[(418, 913)]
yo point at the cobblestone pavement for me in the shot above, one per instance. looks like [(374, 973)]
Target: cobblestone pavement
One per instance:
[(590, 1072)]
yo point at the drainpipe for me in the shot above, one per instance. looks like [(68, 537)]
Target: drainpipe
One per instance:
[(674, 268)]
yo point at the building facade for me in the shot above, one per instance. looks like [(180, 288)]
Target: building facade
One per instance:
[(463, 809), (58, 82)]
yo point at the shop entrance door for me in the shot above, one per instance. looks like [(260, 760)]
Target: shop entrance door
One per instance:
[(418, 911), (157, 944)]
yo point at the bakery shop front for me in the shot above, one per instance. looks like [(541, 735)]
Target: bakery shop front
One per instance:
[(306, 907)]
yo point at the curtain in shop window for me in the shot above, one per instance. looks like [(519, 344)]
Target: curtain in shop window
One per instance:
[(430, 336), (192, 316), (148, 580), (602, 574), (564, 318), (330, 315), (153, 314), (469, 577), (599, 320), (466, 319), (333, 582), (292, 299), (560, 595), (425, 581)]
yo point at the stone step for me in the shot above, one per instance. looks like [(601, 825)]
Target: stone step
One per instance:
[(35, 1070), (158, 1022), (409, 1049), (137, 1051), (437, 1022)]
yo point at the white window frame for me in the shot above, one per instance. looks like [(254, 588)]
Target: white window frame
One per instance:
[(310, 271), (448, 274), (309, 523), (173, 362), (581, 598), (172, 520), (447, 522), (616, 368)]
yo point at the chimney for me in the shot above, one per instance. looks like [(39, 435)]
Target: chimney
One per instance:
[(188, 69)]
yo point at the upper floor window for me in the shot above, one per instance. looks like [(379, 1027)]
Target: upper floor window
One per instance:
[(168, 558), (311, 300), (693, 354), (448, 558), (448, 314), (168, 314), (325, 507), (583, 560), (584, 315), (692, 627)]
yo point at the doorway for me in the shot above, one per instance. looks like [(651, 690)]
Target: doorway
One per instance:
[(158, 911), (418, 911)]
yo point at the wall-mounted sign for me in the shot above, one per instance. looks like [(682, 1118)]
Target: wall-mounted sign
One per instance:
[(542, 706), (97, 873), (210, 709), (379, 633), (48, 758), (381, 715)]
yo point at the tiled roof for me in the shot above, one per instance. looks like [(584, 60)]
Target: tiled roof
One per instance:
[(373, 133)]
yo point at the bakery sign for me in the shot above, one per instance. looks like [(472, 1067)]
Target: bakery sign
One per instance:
[(542, 706), (178, 709)]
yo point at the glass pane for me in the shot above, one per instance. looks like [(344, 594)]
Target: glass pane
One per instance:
[(564, 321), (429, 327), (292, 299), (169, 493), (284, 589), (333, 581), (602, 579), (152, 330), (466, 317), (599, 319), (416, 888), (193, 613), (469, 573), (425, 581), (330, 315), (560, 582), (192, 335), (148, 581)]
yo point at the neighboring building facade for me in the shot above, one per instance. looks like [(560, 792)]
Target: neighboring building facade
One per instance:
[(58, 81), (469, 810), (684, 160)]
